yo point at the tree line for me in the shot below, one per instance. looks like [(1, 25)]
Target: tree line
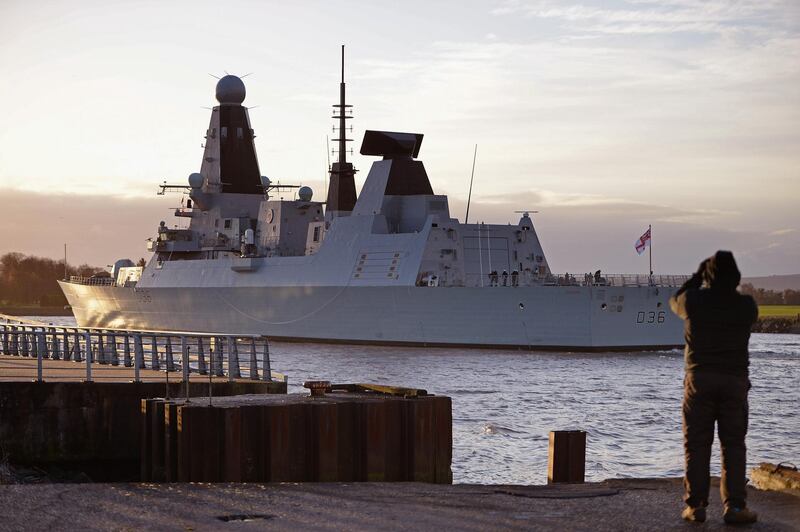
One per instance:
[(771, 297), (29, 280)]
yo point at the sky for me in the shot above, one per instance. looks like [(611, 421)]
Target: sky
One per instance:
[(605, 117)]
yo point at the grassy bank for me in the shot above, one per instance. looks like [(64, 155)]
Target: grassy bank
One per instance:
[(778, 311)]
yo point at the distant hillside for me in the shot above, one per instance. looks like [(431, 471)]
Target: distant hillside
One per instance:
[(778, 283)]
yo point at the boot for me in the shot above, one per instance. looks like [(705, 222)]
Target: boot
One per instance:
[(735, 515), (696, 514)]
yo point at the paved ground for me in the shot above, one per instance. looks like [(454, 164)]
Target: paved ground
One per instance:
[(611, 505)]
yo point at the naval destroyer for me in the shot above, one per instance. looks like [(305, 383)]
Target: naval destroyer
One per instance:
[(390, 265)]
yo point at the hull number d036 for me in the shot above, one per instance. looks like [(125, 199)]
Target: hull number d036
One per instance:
[(651, 317)]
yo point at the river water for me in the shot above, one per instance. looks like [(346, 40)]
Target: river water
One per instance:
[(505, 402)]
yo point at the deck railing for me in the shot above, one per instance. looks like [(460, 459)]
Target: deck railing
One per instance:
[(97, 281), (530, 279), (171, 351)]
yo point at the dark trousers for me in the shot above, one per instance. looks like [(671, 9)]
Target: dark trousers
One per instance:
[(715, 397)]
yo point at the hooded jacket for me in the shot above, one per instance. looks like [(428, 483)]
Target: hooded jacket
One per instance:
[(717, 318)]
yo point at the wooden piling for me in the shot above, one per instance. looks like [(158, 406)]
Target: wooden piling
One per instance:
[(337, 437), (567, 456)]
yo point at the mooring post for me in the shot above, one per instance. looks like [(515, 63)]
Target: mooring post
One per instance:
[(154, 364), (253, 359), (201, 357), (168, 354), (126, 347), (138, 356), (89, 355), (114, 353), (567, 456), (266, 362)]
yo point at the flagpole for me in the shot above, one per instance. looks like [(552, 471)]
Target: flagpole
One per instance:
[(650, 230)]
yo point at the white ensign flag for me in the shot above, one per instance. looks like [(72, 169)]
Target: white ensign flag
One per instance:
[(643, 242)]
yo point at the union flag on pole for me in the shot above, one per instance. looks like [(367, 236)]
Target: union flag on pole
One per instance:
[(643, 242)]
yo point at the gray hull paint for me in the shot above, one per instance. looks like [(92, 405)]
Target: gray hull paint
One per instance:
[(528, 317)]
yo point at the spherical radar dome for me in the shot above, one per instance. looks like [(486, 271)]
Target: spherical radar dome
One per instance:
[(196, 180), (305, 193), (230, 89)]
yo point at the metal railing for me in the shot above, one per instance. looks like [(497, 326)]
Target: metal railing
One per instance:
[(98, 281), (586, 279), (217, 355)]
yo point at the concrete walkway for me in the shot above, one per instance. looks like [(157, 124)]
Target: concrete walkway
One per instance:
[(611, 505), (23, 369)]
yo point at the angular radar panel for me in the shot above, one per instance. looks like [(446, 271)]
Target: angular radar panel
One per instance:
[(391, 144)]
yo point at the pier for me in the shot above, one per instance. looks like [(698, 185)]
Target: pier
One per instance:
[(38, 350), (70, 396)]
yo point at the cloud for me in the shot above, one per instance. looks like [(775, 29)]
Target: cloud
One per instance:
[(650, 17)]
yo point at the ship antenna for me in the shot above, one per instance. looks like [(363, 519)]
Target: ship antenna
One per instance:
[(342, 118), (471, 177), (341, 197)]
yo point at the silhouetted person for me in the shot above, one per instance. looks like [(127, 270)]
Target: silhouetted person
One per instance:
[(717, 321), (505, 278), (493, 278), (514, 278)]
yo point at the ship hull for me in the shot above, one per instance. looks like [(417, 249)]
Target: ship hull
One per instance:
[(539, 317)]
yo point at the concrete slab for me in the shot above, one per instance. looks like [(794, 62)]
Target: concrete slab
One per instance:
[(21, 369), (612, 505)]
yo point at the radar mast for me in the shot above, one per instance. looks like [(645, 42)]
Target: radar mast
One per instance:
[(342, 190)]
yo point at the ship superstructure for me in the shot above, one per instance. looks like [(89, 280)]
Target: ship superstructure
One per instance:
[(391, 265)]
